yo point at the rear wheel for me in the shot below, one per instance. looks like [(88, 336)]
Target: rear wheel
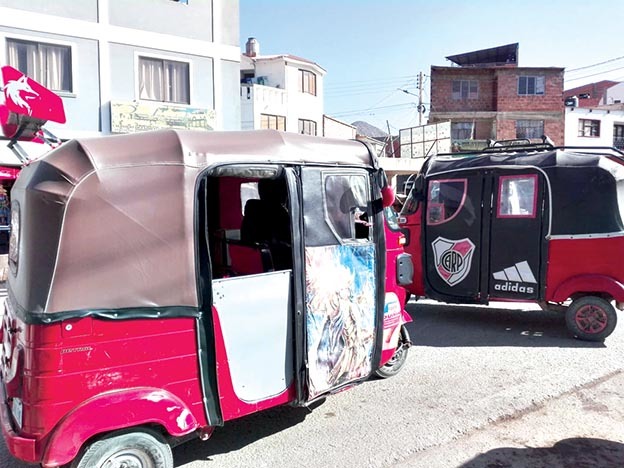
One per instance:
[(396, 362), (144, 449), (591, 318)]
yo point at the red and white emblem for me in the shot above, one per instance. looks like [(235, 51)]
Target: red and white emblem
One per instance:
[(453, 258)]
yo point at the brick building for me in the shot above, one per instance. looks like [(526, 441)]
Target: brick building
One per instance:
[(487, 96)]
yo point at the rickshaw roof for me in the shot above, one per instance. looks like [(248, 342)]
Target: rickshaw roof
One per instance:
[(543, 159), (199, 149)]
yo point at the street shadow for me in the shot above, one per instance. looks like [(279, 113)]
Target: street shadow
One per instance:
[(568, 453), (444, 325), (239, 433)]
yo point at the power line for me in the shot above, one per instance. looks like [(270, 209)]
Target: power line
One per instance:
[(363, 111), (595, 74), (595, 64), (360, 82)]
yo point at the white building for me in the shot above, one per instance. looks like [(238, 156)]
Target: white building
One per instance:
[(282, 92), (129, 66), (602, 126)]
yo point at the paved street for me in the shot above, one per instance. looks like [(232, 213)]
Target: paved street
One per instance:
[(482, 388)]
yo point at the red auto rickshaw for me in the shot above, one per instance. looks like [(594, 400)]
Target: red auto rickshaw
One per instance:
[(164, 283), (522, 222)]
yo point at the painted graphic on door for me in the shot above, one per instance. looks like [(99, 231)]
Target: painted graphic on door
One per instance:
[(340, 300), (453, 259), (518, 278)]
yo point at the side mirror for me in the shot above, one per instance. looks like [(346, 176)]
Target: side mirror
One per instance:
[(387, 196)]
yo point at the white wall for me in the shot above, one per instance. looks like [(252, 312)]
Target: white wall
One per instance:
[(614, 94), (606, 117), (333, 128)]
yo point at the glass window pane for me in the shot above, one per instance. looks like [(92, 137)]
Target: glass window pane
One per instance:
[(445, 199), (517, 196), (347, 206)]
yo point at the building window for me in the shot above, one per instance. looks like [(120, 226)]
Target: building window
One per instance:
[(618, 136), (462, 131), (274, 122), (530, 129), (465, 89), (530, 85), (589, 128), (307, 127), (164, 80), (47, 64), (307, 82)]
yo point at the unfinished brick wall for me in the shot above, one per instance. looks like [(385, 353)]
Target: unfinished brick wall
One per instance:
[(507, 90), (442, 89)]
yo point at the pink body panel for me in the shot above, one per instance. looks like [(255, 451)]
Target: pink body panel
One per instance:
[(414, 225), (90, 370), (232, 406)]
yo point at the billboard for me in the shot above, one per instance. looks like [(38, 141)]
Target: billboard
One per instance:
[(425, 140)]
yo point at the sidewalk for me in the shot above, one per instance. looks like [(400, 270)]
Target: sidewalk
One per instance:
[(582, 428)]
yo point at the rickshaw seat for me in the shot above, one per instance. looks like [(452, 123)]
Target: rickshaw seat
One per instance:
[(249, 259)]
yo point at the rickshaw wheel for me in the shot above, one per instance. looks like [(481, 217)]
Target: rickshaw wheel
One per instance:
[(138, 449), (591, 318), (396, 362)]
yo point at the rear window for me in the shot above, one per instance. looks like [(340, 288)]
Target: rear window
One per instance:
[(445, 199)]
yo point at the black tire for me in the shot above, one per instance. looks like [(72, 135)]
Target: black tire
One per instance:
[(591, 318), (396, 362), (138, 449)]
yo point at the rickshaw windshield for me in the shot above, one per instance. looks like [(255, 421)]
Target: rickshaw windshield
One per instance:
[(617, 171)]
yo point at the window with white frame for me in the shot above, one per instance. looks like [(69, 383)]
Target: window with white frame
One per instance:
[(462, 131), (531, 129), (307, 82), (589, 128), (530, 85), (164, 80), (47, 64), (465, 89), (307, 127), (274, 122)]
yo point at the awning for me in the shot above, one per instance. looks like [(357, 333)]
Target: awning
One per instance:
[(9, 173)]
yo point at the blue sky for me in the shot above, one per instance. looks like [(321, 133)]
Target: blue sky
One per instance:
[(371, 48)]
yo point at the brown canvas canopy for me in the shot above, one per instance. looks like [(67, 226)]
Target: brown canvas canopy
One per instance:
[(108, 223)]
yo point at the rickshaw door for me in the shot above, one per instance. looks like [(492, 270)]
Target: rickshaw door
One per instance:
[(484, 235), (341, 317), (516, 234), (453, 237)]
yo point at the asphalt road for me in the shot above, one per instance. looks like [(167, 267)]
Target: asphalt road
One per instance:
[(483, 387)]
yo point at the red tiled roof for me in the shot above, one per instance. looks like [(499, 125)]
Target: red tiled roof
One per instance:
[(595, 90)]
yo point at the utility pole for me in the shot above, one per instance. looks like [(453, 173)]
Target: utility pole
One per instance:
[(420, 97), (390, 138)]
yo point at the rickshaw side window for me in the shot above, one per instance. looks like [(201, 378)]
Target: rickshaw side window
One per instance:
[(248, 191), (445, 199), (517, 196), (14, 236), (347, 203)]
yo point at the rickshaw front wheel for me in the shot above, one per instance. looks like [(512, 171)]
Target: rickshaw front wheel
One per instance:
[(137, 449), (396, 362), (591, 318)]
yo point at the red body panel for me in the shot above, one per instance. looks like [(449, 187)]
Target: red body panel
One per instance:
[(585, 265)]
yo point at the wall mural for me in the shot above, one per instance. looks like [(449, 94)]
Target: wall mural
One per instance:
[(140, 116), (340, 300)]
